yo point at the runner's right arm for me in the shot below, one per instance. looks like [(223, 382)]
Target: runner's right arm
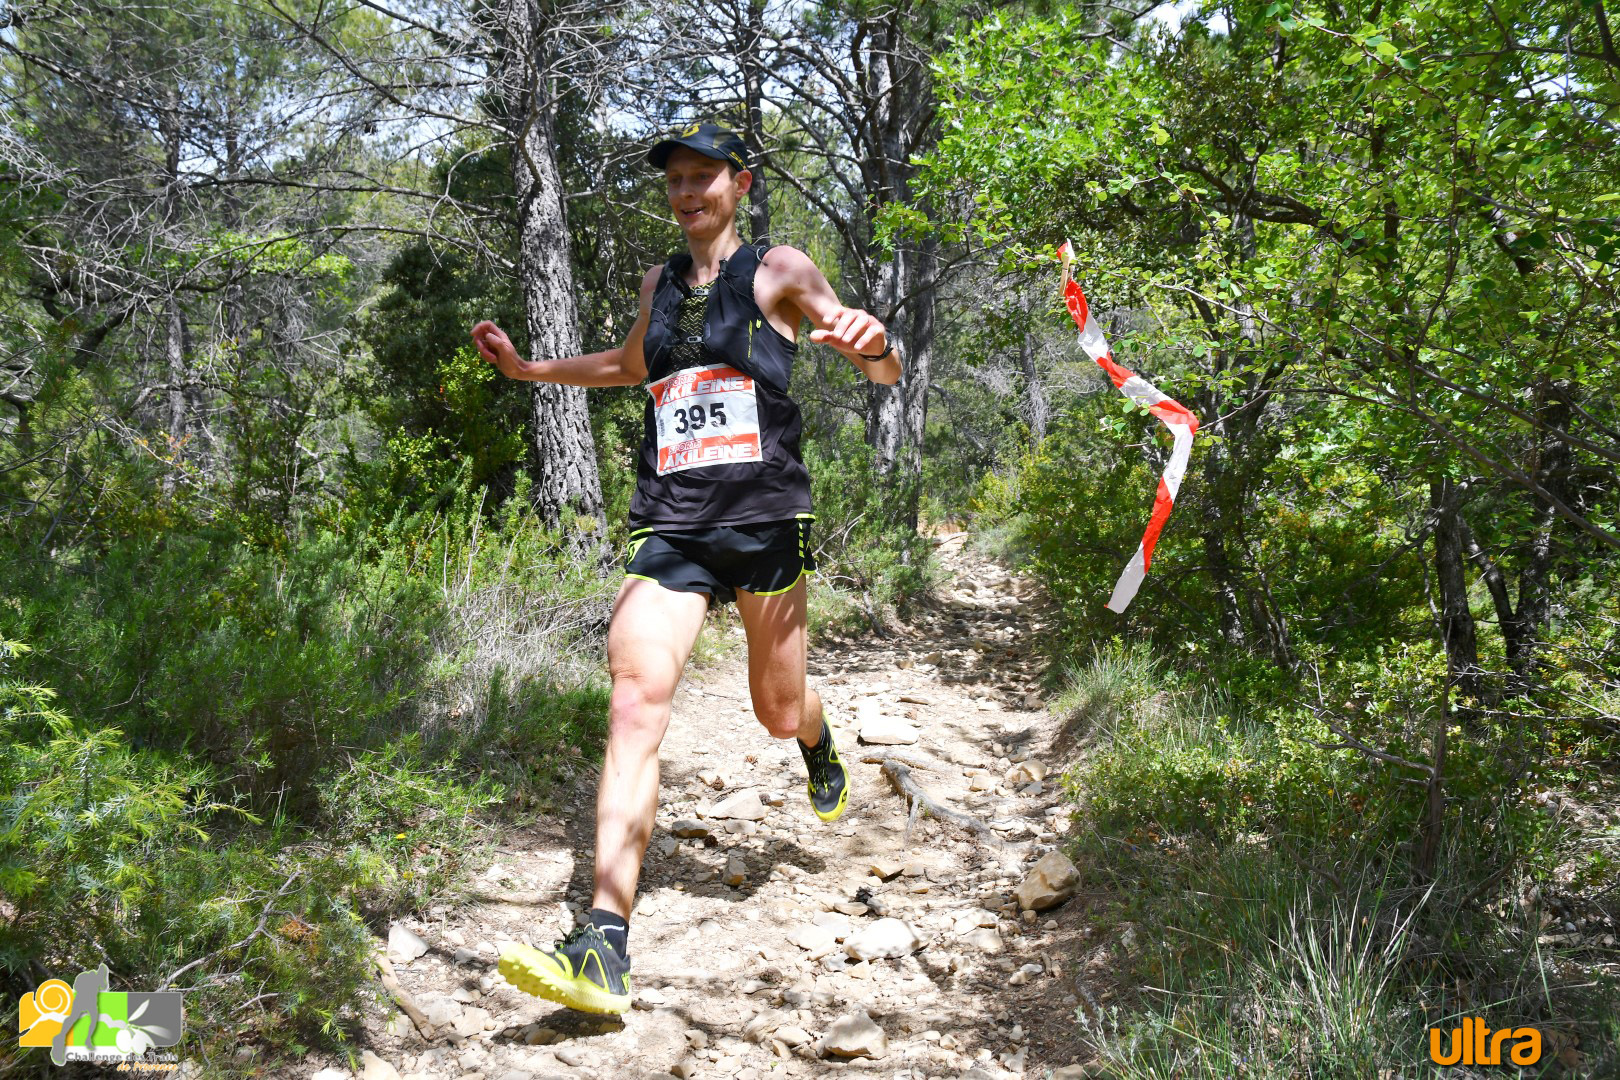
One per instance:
[(624, 366)]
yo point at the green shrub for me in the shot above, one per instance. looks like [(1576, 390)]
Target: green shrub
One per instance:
[(114, 854), (1269, 872), (870, 560)]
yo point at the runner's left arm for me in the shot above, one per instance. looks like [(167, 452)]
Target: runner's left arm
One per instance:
[(855, 333)]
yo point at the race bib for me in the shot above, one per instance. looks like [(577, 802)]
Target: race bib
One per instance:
[(705, 416)]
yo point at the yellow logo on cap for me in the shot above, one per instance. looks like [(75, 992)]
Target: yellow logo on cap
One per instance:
[(693, 130)]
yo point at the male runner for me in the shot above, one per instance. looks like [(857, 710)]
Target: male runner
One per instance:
[(721, 512)]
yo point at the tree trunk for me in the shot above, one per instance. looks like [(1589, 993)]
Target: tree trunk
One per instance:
[(897, 415), (1456, 620), (754, 74), (1220, 513), (1551, 468), (177, 373), (1035, 407), (566, 484)]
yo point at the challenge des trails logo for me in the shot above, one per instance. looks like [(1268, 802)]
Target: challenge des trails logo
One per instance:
[(88, 1022)]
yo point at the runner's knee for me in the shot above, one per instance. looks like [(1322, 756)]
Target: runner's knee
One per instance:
[(780, 714), (637, 707)]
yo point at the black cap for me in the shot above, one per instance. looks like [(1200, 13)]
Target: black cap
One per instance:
[(708, 139)]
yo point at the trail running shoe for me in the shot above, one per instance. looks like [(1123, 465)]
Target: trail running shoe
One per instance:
[(583, 972), (829, 780)]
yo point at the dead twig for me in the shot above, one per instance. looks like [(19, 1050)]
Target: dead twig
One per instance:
[(401, 996), (264, 918), (921, 802), (916, 761)]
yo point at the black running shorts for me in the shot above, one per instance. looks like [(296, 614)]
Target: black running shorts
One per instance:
[(763, 559)]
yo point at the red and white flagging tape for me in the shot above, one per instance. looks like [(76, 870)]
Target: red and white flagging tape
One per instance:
[(1178, 418)]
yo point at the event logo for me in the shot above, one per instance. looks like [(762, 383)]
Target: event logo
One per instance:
[(88, 1022), (1476, 1044)]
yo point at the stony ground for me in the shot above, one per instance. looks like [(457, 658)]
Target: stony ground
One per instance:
[(768, 944)]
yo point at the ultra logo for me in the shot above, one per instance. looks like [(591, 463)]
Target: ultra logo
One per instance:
[(96, 1022), (1476, 1044)]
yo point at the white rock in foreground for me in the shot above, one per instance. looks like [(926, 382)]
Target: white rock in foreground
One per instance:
[(1025, 772), (743, 806), (854, 1036), (885, 939), (404, 945), (879, 730), (1049, 883), (375, 1068), (816, 940), (690, 829)]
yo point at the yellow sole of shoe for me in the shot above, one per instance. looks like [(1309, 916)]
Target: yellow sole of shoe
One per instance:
[(843, 800), (530, 971)]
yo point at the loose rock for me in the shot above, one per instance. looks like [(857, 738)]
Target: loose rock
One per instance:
[(854, 1035), (1049, 883), (1025, 772), (879, 730), (373, 1067), (690, 829), (885, 939), (791, 1035), (404, 945), (884, 869), (818, 941), (744, 805), (471, 1022)]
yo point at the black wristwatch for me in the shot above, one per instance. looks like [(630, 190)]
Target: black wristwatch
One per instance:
[(880, 356)]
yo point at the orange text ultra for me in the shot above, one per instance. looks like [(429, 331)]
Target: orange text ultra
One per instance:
[(1476, 1044)]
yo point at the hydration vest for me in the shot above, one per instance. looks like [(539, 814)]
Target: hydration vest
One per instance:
[(720, 443)]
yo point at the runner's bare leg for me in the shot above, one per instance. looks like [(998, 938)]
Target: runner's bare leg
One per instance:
[(778, 652), (649, 641)]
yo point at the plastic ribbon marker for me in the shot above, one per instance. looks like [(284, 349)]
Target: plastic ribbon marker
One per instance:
[(1178, 418)]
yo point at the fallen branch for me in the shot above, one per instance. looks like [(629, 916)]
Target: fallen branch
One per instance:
[(922, 803), (401, 996), (916, 761), (500, 896), (264, 919)]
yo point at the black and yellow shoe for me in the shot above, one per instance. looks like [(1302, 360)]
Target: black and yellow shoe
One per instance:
[(829, 779), (583, 972)]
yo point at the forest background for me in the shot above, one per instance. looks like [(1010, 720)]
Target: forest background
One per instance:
[(299, 600)]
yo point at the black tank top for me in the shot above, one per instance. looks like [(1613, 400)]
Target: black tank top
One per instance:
[(721, 437)]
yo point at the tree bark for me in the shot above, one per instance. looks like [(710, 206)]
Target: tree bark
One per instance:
[(1035, 406), (894, 81), (566, 482), (1551, 470), (1456, 620), (754, 74), (176, 369)]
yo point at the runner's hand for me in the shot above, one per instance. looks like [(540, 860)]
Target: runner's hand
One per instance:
[(494, 346), (853, 332)]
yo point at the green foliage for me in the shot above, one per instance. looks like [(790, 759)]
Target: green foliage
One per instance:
[(263, 729), (111, 853), (869, 560), (415, 375), (1263, 871), (1343, 238)]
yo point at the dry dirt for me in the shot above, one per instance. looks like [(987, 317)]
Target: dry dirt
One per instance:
[(742, 981)]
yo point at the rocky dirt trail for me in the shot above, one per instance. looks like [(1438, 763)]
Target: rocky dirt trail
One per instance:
[(768, 944)]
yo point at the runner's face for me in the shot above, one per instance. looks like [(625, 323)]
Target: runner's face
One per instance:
[(703, 193)]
